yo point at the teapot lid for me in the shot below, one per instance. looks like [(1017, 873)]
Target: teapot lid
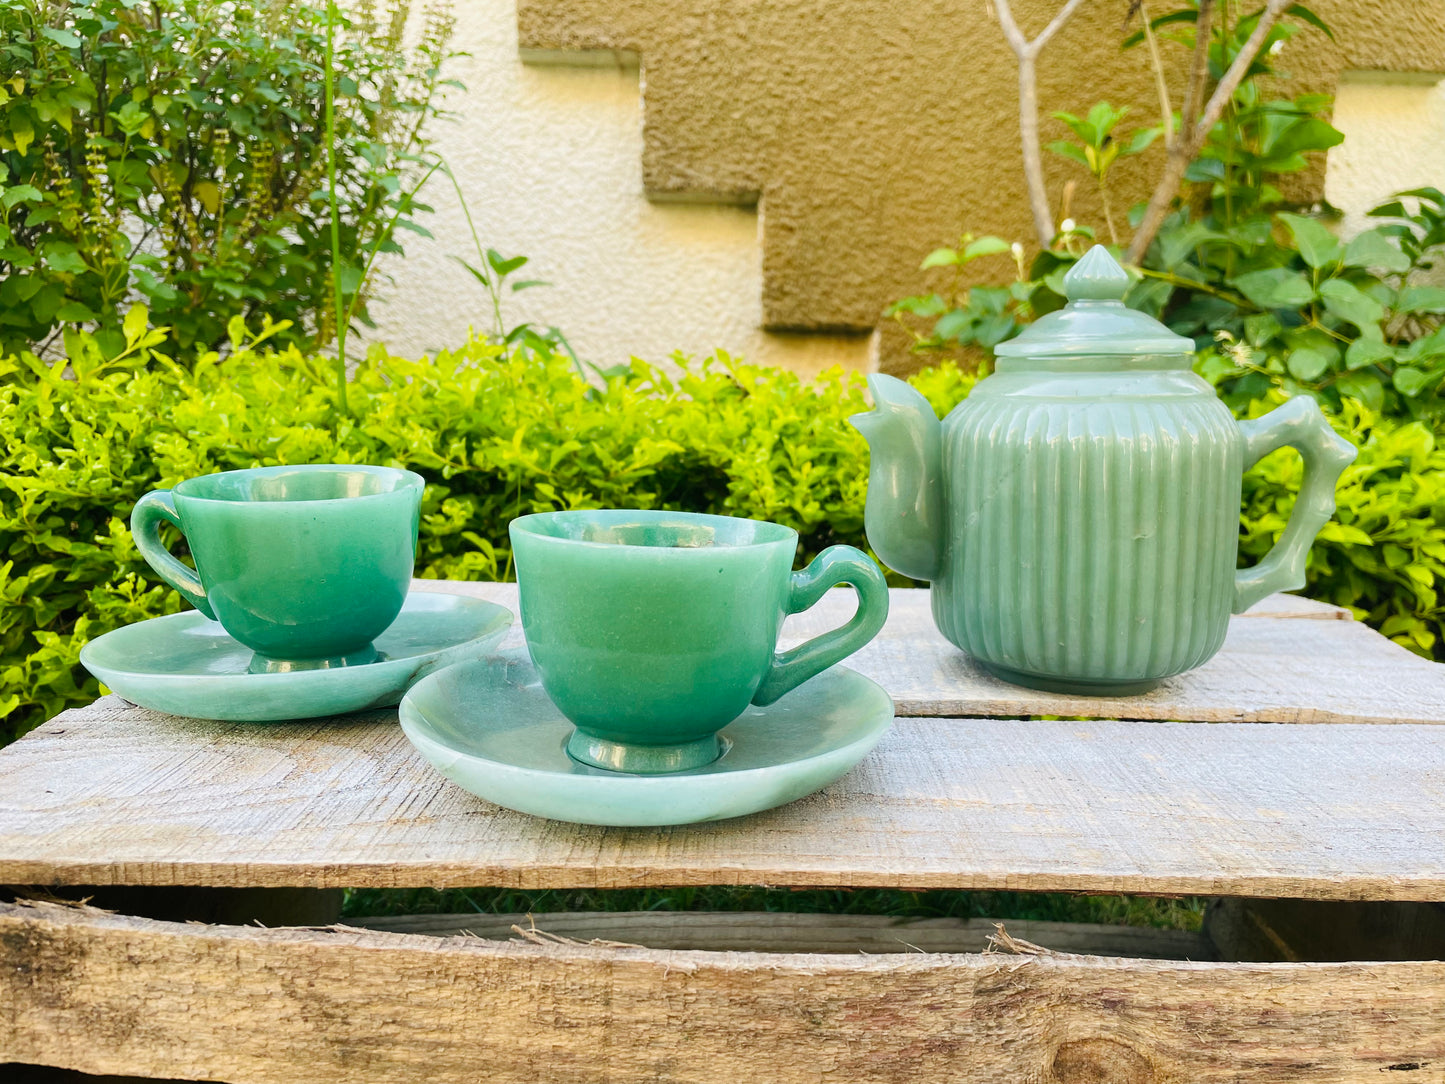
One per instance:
[(1095, 321)]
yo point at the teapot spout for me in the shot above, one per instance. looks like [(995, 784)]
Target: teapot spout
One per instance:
[(904, 513)]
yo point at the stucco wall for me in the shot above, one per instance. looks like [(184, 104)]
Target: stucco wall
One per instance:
[(864, 131), (550, 160), (1394, 139)]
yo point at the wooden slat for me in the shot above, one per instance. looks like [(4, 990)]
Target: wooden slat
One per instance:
[(1273, 668), (107, 993), (765, 931), (115, 795)]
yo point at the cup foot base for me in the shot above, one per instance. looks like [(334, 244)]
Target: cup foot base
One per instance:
[(1073, 686), (261, 664), (637, 759)]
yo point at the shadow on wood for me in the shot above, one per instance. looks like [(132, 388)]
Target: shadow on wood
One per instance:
[(1266, 930), (44, 1074), (755, 931), (185, 903)]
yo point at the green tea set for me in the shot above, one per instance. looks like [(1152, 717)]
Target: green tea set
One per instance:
[(1076, 518)]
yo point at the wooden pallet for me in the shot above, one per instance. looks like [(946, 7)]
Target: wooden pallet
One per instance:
[(1322, 837)]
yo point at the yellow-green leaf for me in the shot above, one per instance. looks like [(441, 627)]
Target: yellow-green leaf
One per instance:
[(135, 324), (21, 132), (209, 195)]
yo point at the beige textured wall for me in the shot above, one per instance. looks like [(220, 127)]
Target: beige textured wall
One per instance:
[(1394, 139), (871, 128), (550, 159), (864, 132)]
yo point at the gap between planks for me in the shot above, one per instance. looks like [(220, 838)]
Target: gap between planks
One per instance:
[(767, 931)]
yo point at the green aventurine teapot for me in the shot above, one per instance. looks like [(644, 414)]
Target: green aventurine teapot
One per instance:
[(1078, 514)]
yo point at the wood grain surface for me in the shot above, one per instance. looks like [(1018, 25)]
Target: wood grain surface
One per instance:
[(111, 994), (114, 795), (769, 931), (1273, 668)]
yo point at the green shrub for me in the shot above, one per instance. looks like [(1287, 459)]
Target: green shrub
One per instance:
[(497, 433), (175, 150), (1383, 555), (1240, 256)]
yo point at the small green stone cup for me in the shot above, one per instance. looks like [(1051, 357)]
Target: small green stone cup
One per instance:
[(651, 631), (304, 565)]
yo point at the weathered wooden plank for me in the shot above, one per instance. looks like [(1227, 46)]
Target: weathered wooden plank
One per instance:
[(115, 795), (767, 931), (1273, 668), (107, 993)]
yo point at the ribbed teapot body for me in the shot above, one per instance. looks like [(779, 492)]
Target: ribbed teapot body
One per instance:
[(1091, 525)]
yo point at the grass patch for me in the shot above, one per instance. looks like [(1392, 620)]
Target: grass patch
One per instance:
[(1184, 913)]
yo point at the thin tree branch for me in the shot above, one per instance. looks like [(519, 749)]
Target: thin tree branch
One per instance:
[(1033, 156), (1199, 65), (1166, 111), (1011, 32), (1026, 53), (1224, 92), (1191, 139), (1055, 25)]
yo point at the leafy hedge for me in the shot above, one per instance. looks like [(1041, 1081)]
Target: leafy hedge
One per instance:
[(1383, 555), (497, 434), (177, 150), (494, 433)]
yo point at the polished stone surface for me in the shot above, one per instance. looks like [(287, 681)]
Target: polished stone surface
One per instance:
[(1077, 516), (653, 630), (489, 727), (305, 565), (186, 664)]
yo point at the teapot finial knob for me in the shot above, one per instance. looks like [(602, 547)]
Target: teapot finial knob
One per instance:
[(1096, 277)]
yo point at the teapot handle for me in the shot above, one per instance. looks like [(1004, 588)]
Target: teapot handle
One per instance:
[(1300, 425)]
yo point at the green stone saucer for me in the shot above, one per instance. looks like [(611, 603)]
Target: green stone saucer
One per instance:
[(185, 664), (490, 728)]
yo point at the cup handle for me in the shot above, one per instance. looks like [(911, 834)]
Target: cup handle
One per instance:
[(1300, 425), (145, 526), (835, 565)]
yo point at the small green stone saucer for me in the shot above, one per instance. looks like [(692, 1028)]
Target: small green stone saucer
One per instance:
[(490, 728), (185, 664)]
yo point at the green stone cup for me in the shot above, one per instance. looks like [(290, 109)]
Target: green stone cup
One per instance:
[(651, 631), (303, 565)]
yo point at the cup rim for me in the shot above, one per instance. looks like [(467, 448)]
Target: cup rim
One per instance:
[(412, 481), (527, 525)]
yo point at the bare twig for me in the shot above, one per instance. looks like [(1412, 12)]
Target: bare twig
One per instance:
[(1027, 53), (1166, 111), (1002, 941), (532, 935), (1191, 138), (1199, 66)]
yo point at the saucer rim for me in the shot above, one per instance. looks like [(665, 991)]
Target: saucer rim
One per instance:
[(845, 757), (497, 626)]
